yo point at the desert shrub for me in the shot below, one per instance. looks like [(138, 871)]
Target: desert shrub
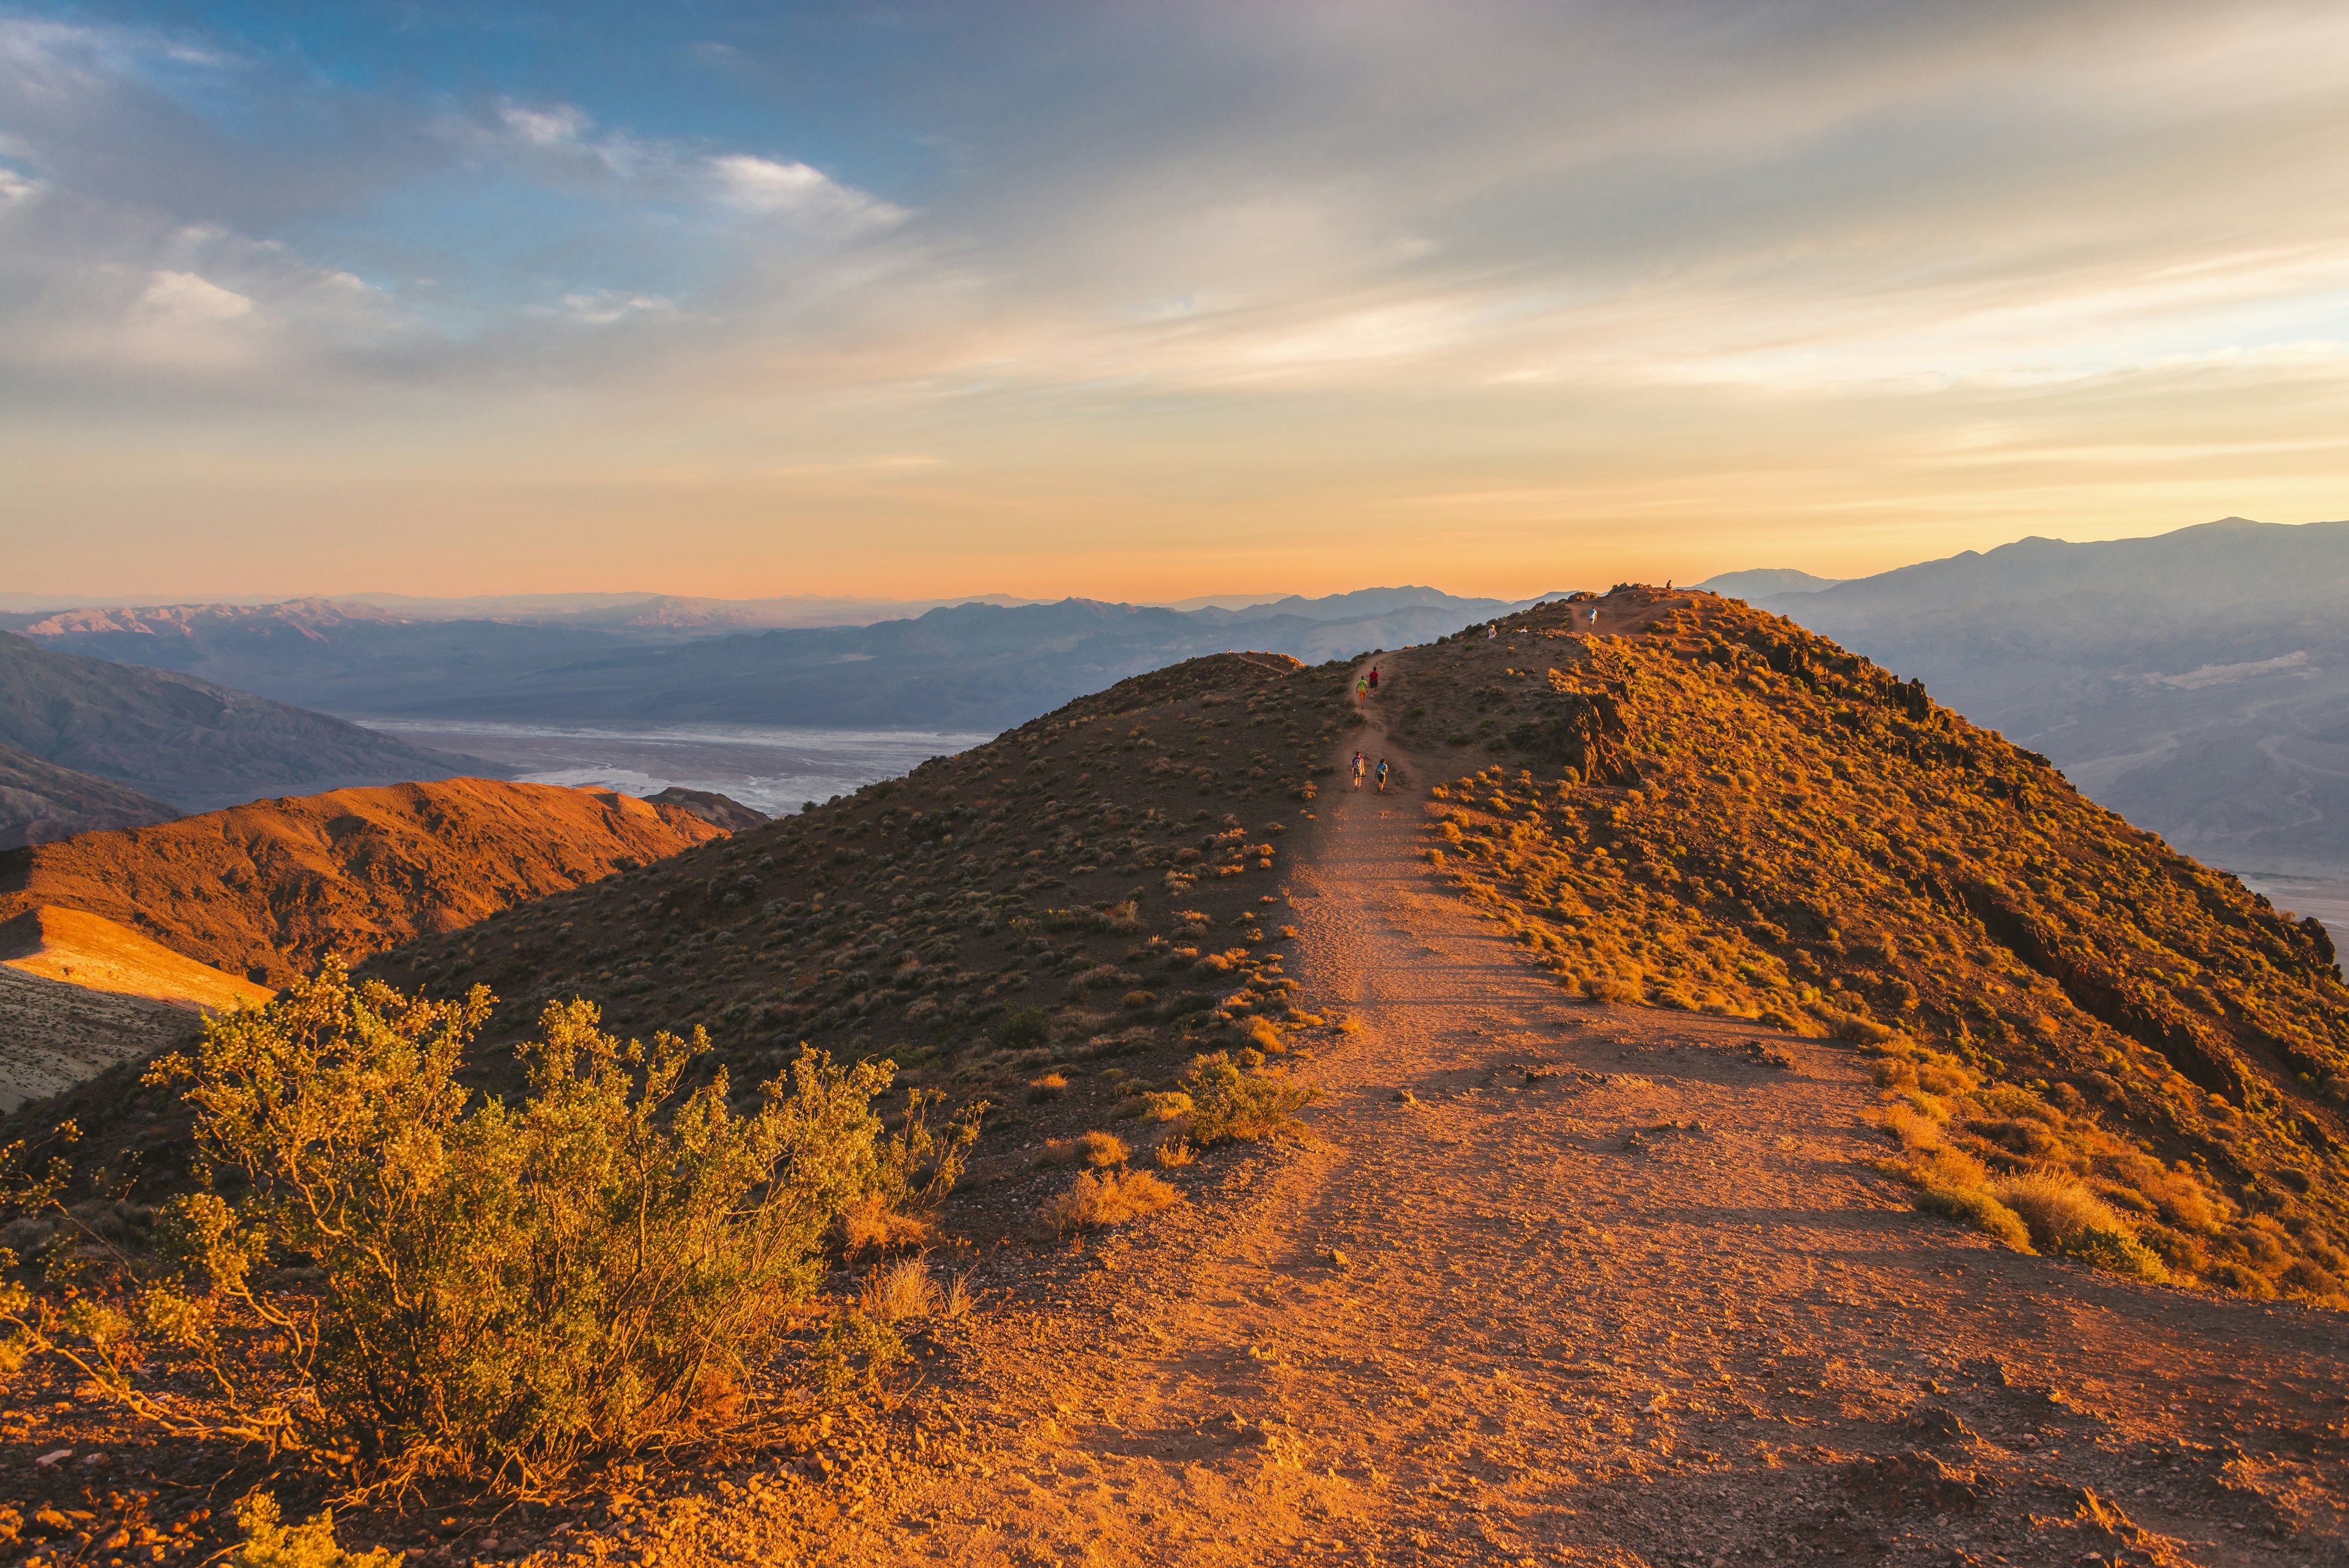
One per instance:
[(2242, 1281), (500, 1290), (1163, 1106), (872, 1224), (2054, 1206), (1173, 1154), (1979, 1209), (268, 1543), (1091, 1148), (1942, 1167), (2114, 1250), (1108, 1198), (1606, 988), (1913, 1128), (1050, 1087), (897, 1291), (1228, 1104), (1023, 1028)]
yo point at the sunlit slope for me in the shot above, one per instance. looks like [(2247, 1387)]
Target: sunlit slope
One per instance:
[(79, 993), (1701, 805), (100, 954), (268, 889)]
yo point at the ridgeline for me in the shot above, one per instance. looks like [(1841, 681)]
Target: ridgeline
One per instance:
[(1702, 806)]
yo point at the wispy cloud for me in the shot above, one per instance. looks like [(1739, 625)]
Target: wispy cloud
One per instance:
[(763, 186)]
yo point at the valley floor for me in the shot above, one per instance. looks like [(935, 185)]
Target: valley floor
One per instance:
[(1489, 1323)]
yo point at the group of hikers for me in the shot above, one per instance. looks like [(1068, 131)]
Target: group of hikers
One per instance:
[(1364, 690), (1366, 686)]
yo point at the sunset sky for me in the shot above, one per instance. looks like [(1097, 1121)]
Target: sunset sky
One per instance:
[(1146, 301)]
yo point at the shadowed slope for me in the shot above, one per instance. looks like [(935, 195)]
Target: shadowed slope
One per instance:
[(40, 801)]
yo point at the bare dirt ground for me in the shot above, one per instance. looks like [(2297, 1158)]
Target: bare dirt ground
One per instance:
[(1553, 1283)]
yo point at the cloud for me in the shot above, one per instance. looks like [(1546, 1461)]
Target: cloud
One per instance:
[(560, 126), (184, 298), (604, 307), (767, 188)]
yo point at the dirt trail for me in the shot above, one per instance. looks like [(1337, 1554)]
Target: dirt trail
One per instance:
[(1607, 1289)]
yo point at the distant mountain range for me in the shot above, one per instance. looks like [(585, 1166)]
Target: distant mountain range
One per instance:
[(97, 744), (2197, 682), (969, 666)]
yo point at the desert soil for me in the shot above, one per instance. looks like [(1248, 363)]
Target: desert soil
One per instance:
[(1554, 1282)]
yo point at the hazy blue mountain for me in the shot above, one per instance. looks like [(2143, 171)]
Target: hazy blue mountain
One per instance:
[(969, 666), (40, 801), (185, 741), (1764, 582), (1363, 603)]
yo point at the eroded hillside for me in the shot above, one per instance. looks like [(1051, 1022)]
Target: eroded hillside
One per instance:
[(1701, 807)]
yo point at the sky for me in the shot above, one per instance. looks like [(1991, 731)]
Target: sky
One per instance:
[(1143, 301)]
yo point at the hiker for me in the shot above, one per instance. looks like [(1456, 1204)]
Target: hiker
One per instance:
[(1361, 688), (1358, 770), (1492, 632), (1374, 678), (1594, 617), (1383, 775)]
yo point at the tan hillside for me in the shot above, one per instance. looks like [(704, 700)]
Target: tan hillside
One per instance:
[(79, 993), (1108, 867), (100, 954), (268, 889)]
